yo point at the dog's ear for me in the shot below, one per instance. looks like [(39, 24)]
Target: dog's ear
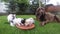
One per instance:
[(23, 21), (38, 9)]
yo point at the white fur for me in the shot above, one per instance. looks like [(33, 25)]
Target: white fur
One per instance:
[(10, 18), (17, 21), (29, 21)]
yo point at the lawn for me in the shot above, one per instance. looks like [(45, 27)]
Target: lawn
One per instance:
[(50, 28)]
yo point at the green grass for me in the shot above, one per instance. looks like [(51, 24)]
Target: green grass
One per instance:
[(50, 28)]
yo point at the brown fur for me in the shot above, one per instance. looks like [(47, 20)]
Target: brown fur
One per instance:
[(47, 16)]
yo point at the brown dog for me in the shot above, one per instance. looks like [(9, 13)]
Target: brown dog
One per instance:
[(45, 17)]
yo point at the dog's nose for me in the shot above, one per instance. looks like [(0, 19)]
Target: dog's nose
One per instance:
[(41, 12)]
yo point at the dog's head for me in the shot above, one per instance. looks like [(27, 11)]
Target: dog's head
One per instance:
[(23, 21), (41, 11)]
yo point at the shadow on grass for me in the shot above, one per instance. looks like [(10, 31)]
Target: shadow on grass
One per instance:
[(6, 23)]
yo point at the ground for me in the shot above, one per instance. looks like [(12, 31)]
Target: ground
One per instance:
[(50, 28)]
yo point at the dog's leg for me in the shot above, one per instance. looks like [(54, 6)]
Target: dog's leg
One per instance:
[(57, 18), (44, 22)]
